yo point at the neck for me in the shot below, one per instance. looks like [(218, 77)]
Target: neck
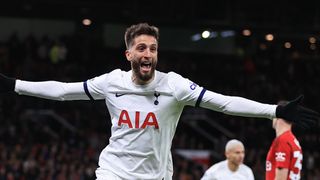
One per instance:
[(281, 129), (138, 81), (233, 167)]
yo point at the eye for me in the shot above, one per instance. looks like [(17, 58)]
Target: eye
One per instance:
[(141, 48), (153, 49)]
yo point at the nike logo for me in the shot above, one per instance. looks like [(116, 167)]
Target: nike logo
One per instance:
[(118, 94)]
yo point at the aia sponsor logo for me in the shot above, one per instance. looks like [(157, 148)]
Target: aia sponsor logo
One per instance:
[(138, 120)]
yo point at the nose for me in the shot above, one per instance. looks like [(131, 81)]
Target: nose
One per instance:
[(147, 53), (242, 156)]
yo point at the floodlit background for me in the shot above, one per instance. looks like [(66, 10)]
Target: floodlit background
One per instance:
[(262, 50)]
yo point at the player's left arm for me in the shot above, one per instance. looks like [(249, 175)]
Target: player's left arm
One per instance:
[(281, 174), (192, 94), (238, 106)]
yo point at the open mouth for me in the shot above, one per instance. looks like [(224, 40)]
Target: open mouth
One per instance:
[(145, 66)]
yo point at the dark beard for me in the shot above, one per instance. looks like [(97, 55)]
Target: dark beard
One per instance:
[(143, 77)]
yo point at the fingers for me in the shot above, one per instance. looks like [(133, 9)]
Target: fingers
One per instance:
[(310, 115), (308, 111), (303, 125), (307, 120), (298, 99)]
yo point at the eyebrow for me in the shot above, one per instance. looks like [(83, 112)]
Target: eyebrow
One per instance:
[(144, 44)]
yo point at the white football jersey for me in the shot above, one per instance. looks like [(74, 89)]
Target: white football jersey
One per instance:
[(144, 120), (221, 171)]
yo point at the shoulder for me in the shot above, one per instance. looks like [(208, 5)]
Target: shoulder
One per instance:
[(286, 137), (246, 171), (112, 76), (218, 167), (174, 76), (179, 82), (113, 73), (170, 79), (246, 168), (168, 76), (117, 73), (292, 140)]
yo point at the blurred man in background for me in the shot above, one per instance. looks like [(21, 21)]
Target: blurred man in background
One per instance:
[(284, 159), (232, 168)]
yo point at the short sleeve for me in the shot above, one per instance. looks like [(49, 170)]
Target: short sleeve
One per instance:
[(282, 154), (96, 86), (185, 91)]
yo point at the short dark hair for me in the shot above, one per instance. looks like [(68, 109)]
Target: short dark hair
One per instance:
[(140, 29)]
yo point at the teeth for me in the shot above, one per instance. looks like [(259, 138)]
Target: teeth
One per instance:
[(146, 64)]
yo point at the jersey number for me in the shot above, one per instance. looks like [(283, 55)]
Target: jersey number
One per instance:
[(297, 155)]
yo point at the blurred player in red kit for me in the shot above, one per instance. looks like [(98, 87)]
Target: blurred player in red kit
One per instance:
[(284, 159)]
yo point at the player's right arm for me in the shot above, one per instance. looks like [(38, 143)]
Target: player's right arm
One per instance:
[(53, 90), (48, 89), (281, 174)]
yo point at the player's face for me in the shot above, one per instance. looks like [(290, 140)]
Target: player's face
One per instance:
[(143, 55), (236, 155)]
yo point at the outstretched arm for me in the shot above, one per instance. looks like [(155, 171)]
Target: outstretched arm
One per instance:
[(52, 90), (47, 89), (237, 106), (293, 111)]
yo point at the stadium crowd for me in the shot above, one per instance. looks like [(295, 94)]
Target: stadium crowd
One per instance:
[(38, 147)]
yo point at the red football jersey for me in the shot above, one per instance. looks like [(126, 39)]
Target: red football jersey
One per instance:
[(285, 152)]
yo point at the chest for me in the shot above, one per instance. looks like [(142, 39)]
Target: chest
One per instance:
[(231, 175), (143, 109), (152, 101)]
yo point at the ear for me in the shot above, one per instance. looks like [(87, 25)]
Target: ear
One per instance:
[(128, 55)]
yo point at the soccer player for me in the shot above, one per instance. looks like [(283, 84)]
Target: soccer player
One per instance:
[(145, 106), (284, 159), (232, 168)]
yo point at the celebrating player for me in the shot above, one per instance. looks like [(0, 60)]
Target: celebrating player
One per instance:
[(145, 106)]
